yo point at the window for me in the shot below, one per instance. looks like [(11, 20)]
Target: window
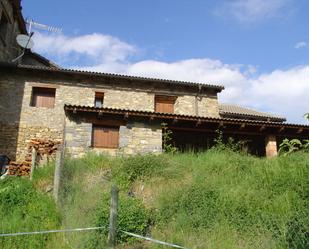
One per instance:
[(43, 97), (164, 104), (98, 100), (105, 136), (4, 24)]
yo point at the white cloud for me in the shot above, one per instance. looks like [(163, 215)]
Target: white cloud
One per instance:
[(300, 44), (252, 10), (282, 92), (96, 47)]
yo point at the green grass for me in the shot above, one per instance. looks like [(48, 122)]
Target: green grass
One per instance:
[(238, 201), (215, 199), (23, 209)]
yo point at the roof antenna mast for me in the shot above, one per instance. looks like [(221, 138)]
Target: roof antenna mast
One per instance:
[(26, 42)]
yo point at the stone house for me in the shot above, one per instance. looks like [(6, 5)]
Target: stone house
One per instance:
[(120, 114), (116, 114)]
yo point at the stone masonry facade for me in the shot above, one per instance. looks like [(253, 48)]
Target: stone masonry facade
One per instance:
[(134, 138), (21, 121)]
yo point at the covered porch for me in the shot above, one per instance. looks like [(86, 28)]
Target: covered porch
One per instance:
[(195, 133)]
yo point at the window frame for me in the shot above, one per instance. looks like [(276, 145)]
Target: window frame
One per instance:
[(49, 92), (99, 96)]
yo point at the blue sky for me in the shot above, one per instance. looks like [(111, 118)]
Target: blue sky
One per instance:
[(258, 49)]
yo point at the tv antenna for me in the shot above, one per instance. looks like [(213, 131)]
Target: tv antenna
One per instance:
[(41, 26), (26, 42)]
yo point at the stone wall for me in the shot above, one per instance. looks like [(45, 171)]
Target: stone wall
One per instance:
[(131, 100), (11, 94), (134, 138), (25, 121), (77, 137), (8, 140), (185, 105), (204, 106), (140, 138), (208, 106)]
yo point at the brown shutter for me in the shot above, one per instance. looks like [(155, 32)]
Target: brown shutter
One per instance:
[(164, 104), (43, 97), (105, 136)]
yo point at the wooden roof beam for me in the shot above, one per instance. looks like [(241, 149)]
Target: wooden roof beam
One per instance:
[(262, 128), (242, 126), (300, 130), (282, 128), (221, 125), (198, 122), (175, 120)]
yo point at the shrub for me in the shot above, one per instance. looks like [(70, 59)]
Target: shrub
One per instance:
[(289, 146), (132, 217), (230, 144), (167, 139)]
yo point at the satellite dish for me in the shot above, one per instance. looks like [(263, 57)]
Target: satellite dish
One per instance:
[(25, 41)]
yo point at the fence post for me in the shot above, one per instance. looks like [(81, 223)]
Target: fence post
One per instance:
[(33, 162), (111, 239), (57, 174)]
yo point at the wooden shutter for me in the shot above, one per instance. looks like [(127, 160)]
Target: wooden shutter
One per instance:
[(43, 97), (164, 104), (105, 136)]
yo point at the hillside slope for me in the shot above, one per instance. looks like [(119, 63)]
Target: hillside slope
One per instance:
[(216, 199)]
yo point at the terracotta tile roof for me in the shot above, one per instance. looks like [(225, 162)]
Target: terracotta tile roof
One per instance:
[(79, 108), (227, 110), (218, 88)]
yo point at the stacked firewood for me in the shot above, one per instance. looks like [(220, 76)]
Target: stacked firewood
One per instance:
[(45, 148), (19, 169)]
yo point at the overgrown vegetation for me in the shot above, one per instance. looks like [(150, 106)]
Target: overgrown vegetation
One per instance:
[(24, 209), (132, 217), (289, 146), (216, 199), (167, 139)]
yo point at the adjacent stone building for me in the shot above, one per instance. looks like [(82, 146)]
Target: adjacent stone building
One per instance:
[(13, 24)]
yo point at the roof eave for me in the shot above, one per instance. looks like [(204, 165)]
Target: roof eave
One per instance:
[(217, 88), (77, 108)]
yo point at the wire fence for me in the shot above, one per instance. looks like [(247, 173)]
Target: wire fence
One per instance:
[(90, 229)]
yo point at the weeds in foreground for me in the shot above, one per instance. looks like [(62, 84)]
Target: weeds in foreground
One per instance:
[(215, 199)]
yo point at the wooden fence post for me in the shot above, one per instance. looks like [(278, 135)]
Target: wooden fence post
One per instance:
[(111, 240), (33, 162), (57, 174)]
